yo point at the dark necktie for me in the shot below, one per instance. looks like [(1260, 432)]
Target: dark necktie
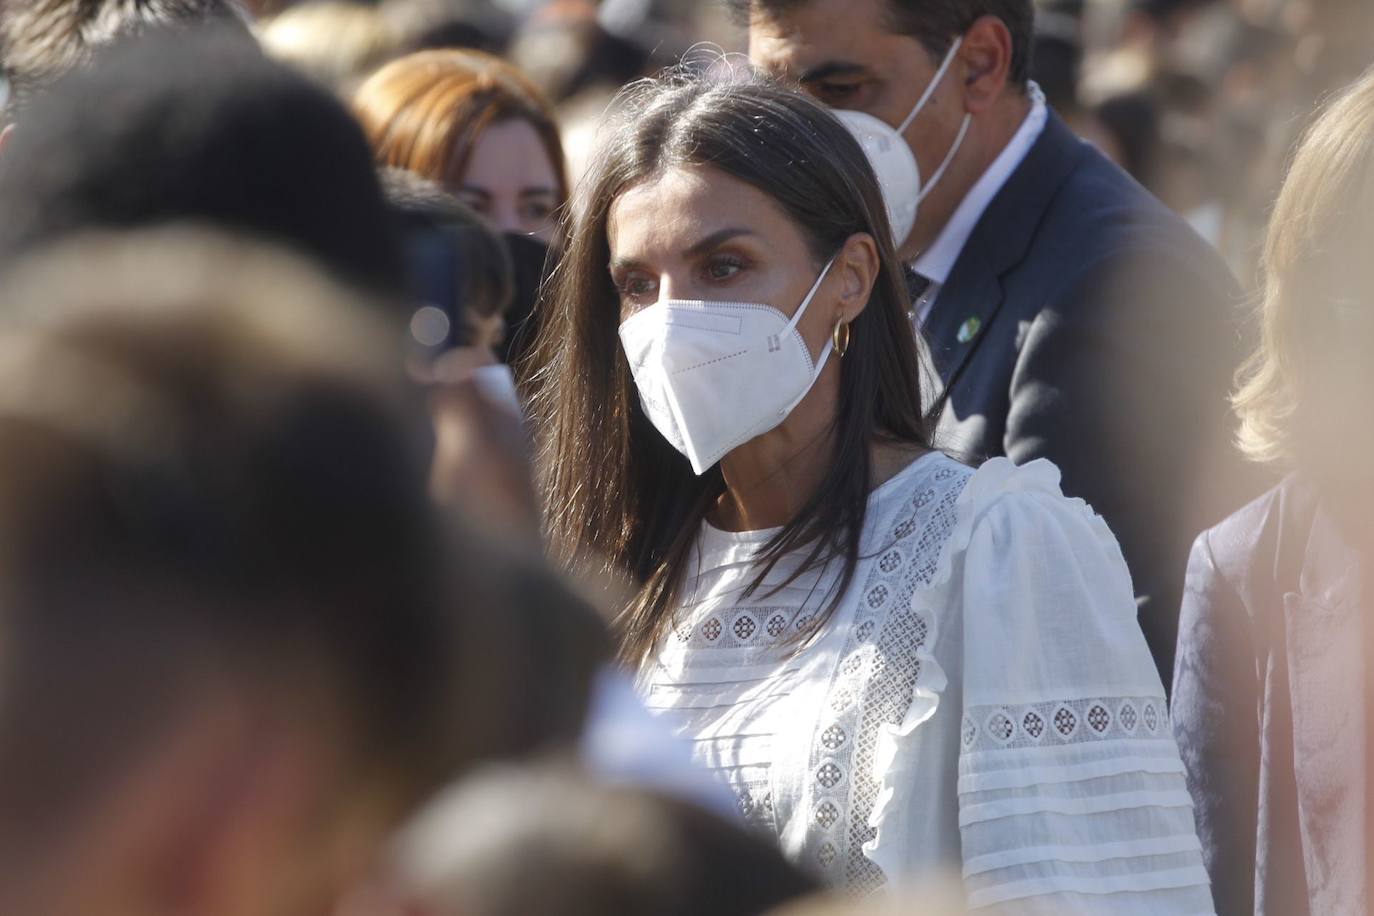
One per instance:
[(916, 286)]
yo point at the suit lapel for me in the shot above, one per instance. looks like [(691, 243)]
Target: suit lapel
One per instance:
[(1325, 633), (964, 309), (970, 301)]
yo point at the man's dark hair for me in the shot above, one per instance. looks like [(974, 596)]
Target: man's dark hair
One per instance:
[(211, 477), (42, 39), (935, 23), (198, 126)]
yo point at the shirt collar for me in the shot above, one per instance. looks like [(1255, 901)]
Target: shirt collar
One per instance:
[(937, 262)]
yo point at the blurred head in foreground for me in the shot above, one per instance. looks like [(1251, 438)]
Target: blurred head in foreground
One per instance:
[(225, 597), (199, 126), (42, 39), (1304, 397), (519, 842), (474, 124)]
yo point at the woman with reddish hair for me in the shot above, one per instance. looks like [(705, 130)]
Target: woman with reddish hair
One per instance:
[(474, 124)]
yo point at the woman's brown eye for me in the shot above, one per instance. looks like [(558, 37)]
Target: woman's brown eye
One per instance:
[(722, 270), (538, 213), (637, 287)]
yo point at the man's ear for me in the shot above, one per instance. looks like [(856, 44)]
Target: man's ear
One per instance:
[(986, 56), (859, 265)]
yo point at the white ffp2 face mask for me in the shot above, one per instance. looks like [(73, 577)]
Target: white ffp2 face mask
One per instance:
[(713, 375), (895, 164)]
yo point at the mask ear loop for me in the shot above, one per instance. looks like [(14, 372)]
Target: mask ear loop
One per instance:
[(929, 186), (825, 350), (934, 83), (815, 287)]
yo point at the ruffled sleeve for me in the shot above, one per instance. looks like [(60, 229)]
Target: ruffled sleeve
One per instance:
[(1071, 796)]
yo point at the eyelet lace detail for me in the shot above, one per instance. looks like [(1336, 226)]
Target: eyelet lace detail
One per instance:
[(756, 810), (993, 728), (875, 683), (755, 627)]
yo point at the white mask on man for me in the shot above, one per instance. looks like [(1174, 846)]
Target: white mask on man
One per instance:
[(895, 164), (713, 375)]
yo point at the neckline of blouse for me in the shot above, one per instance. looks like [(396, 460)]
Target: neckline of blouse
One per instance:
[(716, 539)]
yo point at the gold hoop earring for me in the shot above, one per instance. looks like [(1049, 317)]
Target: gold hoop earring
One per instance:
[(840, 338)]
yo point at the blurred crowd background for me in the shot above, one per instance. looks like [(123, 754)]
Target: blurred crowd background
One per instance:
[(1200, 100)]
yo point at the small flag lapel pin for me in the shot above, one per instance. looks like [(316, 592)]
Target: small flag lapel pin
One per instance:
[(969, 329)]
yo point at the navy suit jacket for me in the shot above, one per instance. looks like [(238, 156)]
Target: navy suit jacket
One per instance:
[(1086, 323)]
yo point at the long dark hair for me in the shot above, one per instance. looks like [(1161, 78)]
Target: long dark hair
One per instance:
[(618, 497)]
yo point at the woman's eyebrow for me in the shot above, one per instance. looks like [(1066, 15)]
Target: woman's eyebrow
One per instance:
[(717, 238), (622, 264)]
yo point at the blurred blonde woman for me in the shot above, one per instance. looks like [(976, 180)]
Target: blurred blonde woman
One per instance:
[(1270, 694), (475, 125)]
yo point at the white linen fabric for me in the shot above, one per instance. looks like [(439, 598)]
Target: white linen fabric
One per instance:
[(981, 701)]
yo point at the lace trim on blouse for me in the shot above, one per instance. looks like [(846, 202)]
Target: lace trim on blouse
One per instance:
[(1069, 805), (887, 664), (1068, 722)]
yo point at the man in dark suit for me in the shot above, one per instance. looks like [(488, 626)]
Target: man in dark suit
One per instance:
[(1069, 314)]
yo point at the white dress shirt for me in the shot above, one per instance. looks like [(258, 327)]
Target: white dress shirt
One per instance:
[(937, 261)]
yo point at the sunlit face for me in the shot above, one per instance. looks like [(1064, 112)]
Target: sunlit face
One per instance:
[(510, 180), (697, 233)]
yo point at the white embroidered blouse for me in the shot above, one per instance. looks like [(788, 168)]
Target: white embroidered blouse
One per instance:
[(982, 700)]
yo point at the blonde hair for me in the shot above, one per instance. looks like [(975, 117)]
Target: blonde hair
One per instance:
[(1323, 218)]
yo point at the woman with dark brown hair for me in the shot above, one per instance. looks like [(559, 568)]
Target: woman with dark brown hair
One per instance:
[(900, 665), (475, 125)]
